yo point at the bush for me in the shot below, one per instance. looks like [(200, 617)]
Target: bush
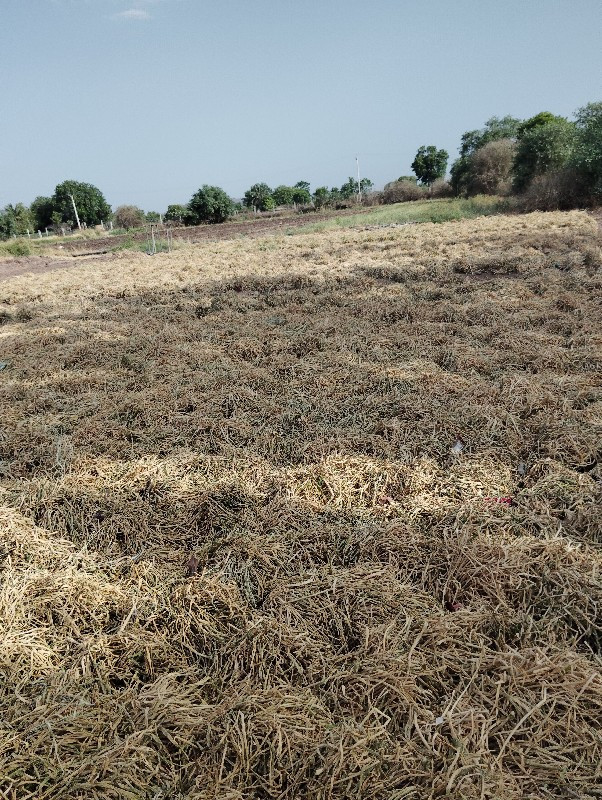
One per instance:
[(403, 191), (17, 248), (441, 188), (372, 199), (129, 217), (491, 168), (555, 191)]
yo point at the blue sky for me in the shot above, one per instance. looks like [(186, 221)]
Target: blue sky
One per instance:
[(149, 99)]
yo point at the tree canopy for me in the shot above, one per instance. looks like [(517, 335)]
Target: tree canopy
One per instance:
[(257, 196), (430, 164), (587, 157), (92, 207), (176, 212), (210, 204), (545, 143)]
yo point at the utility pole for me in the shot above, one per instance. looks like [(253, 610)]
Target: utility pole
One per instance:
[(75, 209), (359, 185)]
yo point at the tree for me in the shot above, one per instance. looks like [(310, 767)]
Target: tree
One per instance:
[(41, 210), (176, 213), (348, 189), (283, 195), (321, 196), (304, 185), (210, 204), (129, 217), (495, 129), (256, 196), (301, 195), (545, 143), (587, 157), (15, 220), (430, 164), (152, 216), (92, 207), (543, 118)]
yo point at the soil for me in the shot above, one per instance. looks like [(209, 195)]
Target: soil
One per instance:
[(39, 264), (82, 250)]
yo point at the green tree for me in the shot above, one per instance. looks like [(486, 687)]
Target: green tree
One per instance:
[(152, 216), (41, 211), (92, 207), (305, 185), (129, 217), (348, 189), (210, 204), (283, 195), (429, 164), (16, 220), (495, 129), (543, 118), (257, 196), (587, 157), (545, 143), (176, 213), (301, 196), (321, 196)]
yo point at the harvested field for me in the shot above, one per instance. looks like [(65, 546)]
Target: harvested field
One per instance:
[(306, 517)]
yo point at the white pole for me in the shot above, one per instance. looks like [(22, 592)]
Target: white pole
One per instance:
[(75, 209), (359, 185)]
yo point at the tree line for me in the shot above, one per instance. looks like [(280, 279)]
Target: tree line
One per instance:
[(210, 204), (548, 161)]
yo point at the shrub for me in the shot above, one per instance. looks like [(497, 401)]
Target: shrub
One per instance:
[(129, 217), (555, 191), (441, 188), (402, 192), (491, 168), (17, 248)]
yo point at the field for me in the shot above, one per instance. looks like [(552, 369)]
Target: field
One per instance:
[(311, 516)]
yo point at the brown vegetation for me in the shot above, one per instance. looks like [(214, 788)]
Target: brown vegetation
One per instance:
[(253, 542)]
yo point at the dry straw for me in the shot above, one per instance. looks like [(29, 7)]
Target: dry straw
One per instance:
[(252, 542)]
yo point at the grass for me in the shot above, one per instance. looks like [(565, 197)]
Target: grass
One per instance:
[(443, 210), (17, 247), (253, 536)]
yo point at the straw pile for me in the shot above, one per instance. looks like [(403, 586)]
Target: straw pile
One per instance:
[(306, 517)]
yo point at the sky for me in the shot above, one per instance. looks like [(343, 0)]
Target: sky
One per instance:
[(150, 99)]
